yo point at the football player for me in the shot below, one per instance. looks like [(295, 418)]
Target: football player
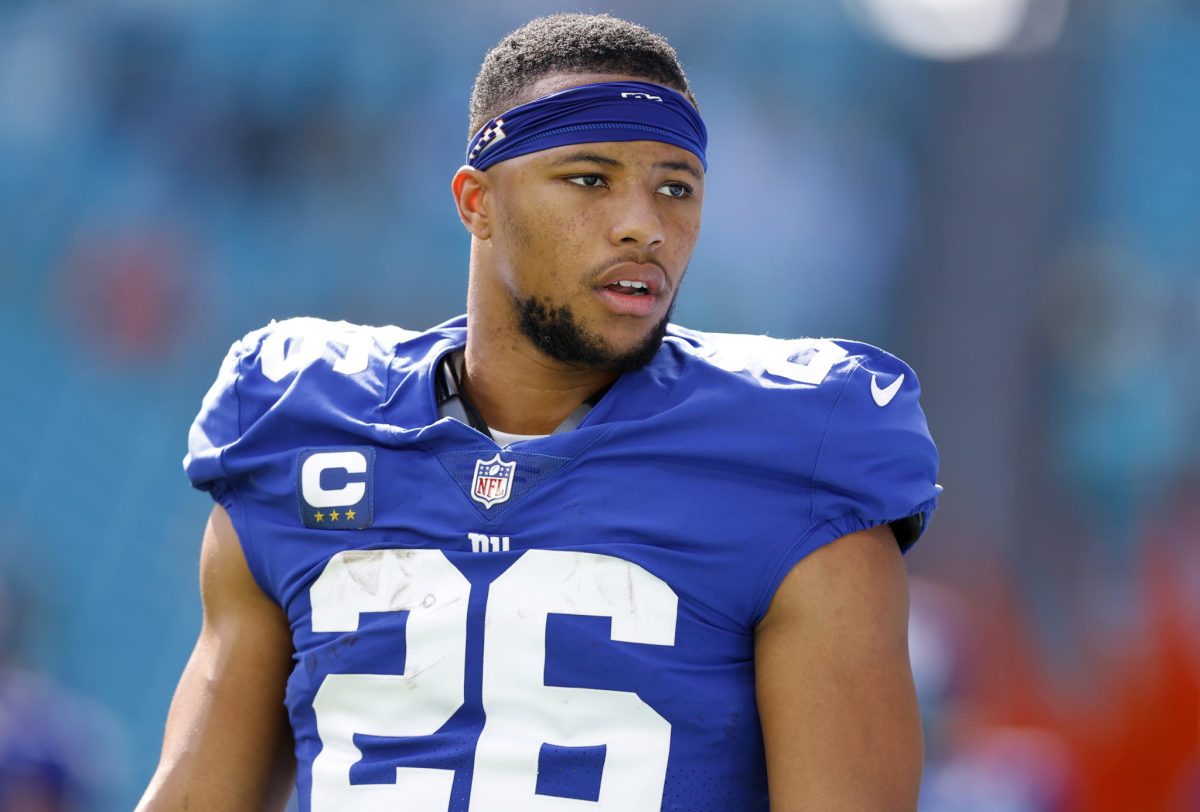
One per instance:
[(558, 553)]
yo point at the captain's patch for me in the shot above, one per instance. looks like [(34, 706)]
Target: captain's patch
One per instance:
[(335, 487)]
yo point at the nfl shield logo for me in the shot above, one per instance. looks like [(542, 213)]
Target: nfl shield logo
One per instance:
[(493, 481)]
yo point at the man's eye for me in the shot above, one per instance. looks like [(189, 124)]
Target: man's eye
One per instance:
[(675, 190), (587, 180)]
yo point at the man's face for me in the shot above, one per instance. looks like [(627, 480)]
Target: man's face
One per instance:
[(590, 242)]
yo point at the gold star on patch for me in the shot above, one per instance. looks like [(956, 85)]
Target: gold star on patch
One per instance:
[(349, 515), (333, 515), (319, 516)]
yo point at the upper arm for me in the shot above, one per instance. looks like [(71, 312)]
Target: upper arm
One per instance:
[(834, 685), (227, 744)]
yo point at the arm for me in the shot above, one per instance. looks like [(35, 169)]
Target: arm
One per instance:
[(835, 690), (227, 744)]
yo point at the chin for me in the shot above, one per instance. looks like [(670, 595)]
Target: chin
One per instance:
[(557, 333)]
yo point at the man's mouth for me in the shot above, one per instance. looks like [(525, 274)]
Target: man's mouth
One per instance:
[(629, 287)]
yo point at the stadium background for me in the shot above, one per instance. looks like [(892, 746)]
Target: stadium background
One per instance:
[(1008, 197)]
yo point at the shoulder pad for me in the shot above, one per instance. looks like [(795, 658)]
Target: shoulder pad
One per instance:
[(265, 366), (856, 414), (776, 362)]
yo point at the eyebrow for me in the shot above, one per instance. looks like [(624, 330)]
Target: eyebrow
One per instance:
[(604, 160), (586, 157), (682, 166)]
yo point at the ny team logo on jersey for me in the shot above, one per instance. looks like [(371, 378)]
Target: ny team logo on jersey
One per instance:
[(336, 487), (482, 543), (493, 481)]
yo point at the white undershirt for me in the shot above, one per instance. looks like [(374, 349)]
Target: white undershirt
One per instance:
[(504, 439)]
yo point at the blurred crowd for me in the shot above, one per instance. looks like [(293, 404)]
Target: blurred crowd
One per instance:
[(1022, 227)]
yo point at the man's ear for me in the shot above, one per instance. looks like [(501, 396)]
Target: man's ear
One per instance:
[(471, 191)]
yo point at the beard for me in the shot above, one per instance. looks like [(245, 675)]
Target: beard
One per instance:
[(557, 333)]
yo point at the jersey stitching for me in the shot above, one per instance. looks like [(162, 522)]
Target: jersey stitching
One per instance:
[(242, 527), (812, 474), (391, 382), (237, 398)]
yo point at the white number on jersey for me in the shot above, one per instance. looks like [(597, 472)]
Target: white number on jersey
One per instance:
[(296, 343), (643, 609), (415, 703), (807, 360)]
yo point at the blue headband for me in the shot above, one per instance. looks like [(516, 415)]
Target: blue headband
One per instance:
[(606, 111)]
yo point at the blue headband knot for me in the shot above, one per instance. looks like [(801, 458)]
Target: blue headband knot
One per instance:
[(605, 111)]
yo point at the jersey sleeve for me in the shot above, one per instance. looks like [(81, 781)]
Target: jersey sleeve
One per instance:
[(238, 399), (876, 463), (217, 425), (297, 383)]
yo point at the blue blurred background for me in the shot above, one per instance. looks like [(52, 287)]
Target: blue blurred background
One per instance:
[(1006, 193)]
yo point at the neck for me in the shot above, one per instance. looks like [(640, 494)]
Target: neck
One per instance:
[(515, 387), (519, 390)]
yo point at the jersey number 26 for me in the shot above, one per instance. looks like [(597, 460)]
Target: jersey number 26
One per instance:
[(522, 713)]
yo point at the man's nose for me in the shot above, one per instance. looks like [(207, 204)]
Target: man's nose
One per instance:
[(638, 221)]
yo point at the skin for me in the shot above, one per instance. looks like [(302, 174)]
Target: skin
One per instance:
[(834, 686), (228, 745), (552, 225)]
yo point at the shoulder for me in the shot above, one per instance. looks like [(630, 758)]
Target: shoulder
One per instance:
[(842, 414), (324, 371), (285, 356), (804, 364), (816, 390), (283, 348)]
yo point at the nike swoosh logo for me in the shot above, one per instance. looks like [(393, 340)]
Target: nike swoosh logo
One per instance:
[(884, 396)]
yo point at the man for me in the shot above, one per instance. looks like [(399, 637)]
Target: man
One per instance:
[(557, 554)]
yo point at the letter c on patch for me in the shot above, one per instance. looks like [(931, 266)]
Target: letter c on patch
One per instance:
[(351, 462)]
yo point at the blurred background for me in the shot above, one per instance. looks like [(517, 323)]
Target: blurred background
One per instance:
[(1006, 193)]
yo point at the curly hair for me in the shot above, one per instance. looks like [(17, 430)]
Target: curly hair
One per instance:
[(569, 43)]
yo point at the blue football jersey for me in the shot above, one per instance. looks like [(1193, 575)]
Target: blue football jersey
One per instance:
[(564, 623)]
